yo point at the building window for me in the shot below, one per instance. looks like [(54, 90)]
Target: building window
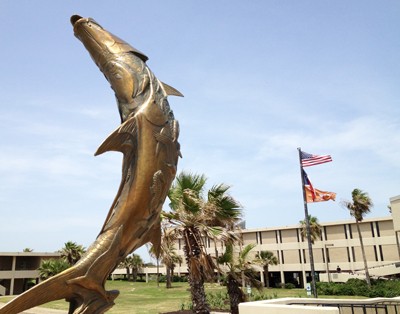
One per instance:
[(304, 257), (282, 257), (278, 236), (376, 253), (372, 229), (323, 255), (350, 232), (345, 231), (326, 233), (381, 253), (378, 233), (348, 254), (353, 253)]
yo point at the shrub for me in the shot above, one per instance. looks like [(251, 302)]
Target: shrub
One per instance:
[(379, 288), (263, 296), (289, 285), (162, 278), (218, 300)]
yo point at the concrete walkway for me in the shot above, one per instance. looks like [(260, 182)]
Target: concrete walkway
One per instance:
[(40, 310)]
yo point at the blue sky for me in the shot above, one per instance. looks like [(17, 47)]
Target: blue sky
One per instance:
[(260, 79)]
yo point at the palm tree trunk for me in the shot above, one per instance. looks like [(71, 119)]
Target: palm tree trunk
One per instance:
[(134, 273), (158, 273), (236, 295), (266, 271), (367, 278), (168, 275), (195, 272), (243, 281), (199, 301), (217, 264)]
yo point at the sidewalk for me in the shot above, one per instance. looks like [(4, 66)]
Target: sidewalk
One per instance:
[(40, 310)]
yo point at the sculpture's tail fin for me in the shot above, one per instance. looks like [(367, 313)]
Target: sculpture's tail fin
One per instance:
[(82, 284), (54, 288)]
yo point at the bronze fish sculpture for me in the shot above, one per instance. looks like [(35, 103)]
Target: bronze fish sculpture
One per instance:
[(148, 139)]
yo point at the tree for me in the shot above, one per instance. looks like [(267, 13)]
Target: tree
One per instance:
[(27, 250), (196, 218), (267, 258), (72, 252), (127, 264), (315, 228), (240, 271), (360, 206), (137, 264), (168, 255), (132, 262), (227, 213), (51, 267)]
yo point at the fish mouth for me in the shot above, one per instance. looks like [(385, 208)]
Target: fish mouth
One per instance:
[(75, 18), (77, 21)]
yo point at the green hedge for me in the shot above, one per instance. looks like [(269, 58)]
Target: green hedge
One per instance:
[(358, 287)]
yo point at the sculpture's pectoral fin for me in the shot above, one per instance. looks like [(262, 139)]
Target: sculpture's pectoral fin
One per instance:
[(121, 140), (171, 91)]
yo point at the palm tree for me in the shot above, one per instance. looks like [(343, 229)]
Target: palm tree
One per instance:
[(127, 264), (137, 264), (359, 207), (167, 253), (240, 271), (72, 252), (187, 216), (51, 267), (267, 258), (195, 219), (227, 213), (315, 228)]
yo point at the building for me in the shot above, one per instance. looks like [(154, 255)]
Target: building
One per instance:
[(18, 271), (337, 254)]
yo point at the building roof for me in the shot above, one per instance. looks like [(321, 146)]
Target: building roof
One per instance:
[(339, 222), (34, 254)]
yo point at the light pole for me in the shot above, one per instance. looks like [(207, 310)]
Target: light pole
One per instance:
[(326, 259)]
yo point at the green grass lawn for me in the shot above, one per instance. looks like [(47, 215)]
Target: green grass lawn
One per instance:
[(141, 298)]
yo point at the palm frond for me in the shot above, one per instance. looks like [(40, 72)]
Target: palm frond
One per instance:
[(361, 204), (246, 250)]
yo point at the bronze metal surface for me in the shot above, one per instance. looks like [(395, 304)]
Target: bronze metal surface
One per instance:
[(148, 139)]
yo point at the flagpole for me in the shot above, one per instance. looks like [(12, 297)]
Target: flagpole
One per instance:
[(308, 231)]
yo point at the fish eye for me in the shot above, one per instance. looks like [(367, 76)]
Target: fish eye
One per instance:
[(94, 24)]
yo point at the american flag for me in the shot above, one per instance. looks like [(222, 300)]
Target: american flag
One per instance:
[(308, 160)]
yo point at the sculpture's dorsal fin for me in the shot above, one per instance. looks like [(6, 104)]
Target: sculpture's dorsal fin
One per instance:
[(121, 139), (171, 91)]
